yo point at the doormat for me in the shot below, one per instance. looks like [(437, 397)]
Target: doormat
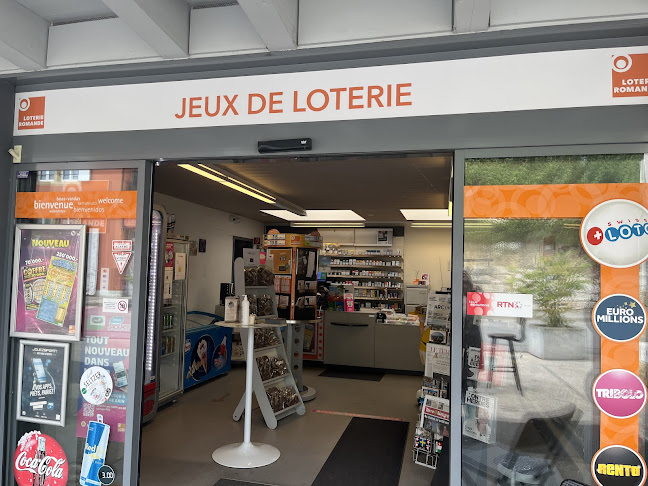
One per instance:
[(352, 374), (370, 452), (234, 482)]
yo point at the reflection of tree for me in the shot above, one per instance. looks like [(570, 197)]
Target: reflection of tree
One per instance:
[(571, 169), (553, 282)]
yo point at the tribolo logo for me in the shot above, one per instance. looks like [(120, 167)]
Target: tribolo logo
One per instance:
[(630, 75), (615, 233), (31, 113)]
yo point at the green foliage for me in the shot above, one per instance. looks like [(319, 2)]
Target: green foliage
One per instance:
[(552, 282), (571, 169)]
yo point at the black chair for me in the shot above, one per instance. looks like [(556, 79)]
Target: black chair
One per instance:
[(510, 339)]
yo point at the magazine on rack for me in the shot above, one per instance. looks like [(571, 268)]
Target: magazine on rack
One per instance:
[(480, 417), (435, 415)]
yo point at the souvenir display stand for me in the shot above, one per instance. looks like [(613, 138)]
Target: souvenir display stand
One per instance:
[(247, 454), (294, 259)]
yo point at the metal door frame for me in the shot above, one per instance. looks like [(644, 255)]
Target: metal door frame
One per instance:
[(140, 285)]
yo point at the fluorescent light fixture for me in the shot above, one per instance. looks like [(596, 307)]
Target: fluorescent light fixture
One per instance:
[(343, 224), (450, 209), (314, 215), (426, 214), (432, 224), (230, 182)]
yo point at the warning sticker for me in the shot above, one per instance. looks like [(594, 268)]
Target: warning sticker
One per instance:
[(121, 260)]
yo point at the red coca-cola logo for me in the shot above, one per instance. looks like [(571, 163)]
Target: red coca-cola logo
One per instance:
[(40, 461)]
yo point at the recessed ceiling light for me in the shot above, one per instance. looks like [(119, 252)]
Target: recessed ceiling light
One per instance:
[(314, 215), (426, 214)]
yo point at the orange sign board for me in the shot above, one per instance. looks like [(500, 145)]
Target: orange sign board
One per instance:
[(85, 205)]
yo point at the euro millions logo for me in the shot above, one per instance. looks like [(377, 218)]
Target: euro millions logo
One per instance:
[(31, 113)]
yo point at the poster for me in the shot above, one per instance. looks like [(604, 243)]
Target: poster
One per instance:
[(437, 359), (42, 389), (499, 304), (480, 417), (47, 294), (438, 311), (208, 354), (180, 266), (282, 260), (112, 355)]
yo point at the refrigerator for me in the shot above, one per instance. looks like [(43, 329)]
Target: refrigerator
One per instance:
[(173, 320), (166, 317)]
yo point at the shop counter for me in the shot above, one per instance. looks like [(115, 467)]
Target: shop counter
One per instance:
[(208, 348)]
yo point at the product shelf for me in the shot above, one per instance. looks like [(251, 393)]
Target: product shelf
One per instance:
[(351, 277), (167, 331), (267, 348), (287, 409), (380, 299), (373, 267), (276, 379), (377, 288)]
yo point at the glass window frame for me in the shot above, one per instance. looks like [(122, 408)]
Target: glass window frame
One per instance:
[(137, 338), (460, 157)]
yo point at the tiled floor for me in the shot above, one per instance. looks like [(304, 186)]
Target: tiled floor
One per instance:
[(177, 445)]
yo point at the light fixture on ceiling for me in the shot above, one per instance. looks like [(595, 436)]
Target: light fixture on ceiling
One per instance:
[(327, 224), (315, 215), (429, 215), (432, 224), (230, 182)]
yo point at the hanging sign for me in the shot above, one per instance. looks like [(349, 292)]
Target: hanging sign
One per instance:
[(40, 460), (47, 295), (42, 388)]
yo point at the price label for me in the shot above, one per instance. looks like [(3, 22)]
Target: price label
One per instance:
[(106, 475)]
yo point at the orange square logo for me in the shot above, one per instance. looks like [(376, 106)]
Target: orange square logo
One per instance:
[(31, 113), (630, 75)]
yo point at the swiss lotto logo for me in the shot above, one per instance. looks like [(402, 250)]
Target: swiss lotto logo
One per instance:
[(630, 75), (615, 233), (619, 317), (31, 113), (617, 465), (619, 393)]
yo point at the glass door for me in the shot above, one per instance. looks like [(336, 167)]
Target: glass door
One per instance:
[(75, 398), (554, 289)]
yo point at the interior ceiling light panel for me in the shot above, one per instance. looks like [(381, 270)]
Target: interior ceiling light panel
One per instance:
[(313, 215), (426, 214)]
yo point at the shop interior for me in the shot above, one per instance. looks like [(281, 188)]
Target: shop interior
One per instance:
[(355, 252)]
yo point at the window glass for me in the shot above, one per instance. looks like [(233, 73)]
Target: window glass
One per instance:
[(94, 429), (531, 352)]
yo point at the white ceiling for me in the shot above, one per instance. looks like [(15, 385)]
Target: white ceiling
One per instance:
[(375, 187), (41, 35), (57, 11)]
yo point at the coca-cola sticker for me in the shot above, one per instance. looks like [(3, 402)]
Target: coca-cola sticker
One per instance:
[(40, 461)]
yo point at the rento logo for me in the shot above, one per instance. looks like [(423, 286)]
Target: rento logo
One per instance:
[(31, 113)]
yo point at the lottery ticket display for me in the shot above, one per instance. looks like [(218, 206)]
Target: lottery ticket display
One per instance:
[(48, 275)]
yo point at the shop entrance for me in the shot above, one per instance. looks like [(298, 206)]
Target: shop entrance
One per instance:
[(355, 252)]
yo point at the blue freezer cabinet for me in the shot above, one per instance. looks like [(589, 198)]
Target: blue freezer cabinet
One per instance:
[(208, 348)]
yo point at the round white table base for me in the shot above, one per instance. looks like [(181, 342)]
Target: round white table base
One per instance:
[(308, 393), (245, 455)]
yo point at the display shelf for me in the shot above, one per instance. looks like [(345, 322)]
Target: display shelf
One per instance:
[(171, 306), (377, 288), (361, 255), (267, 348), (346, 277), (276, 379), (378, 298), (169, 330), (259, 287), (373, 267), (167, 354), (287, 409)]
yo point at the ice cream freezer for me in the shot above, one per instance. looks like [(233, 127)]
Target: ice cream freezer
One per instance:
[(207, 348)]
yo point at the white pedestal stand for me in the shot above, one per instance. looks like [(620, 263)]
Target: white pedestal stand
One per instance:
[(247, 455)]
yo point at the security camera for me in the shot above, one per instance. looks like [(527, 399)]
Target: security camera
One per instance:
[(234, 219)]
